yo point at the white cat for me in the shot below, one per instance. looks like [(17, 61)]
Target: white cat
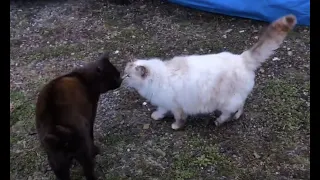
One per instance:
[(190, 85)]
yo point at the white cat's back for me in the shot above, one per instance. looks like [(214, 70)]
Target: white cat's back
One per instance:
[(223, 60), (208, 81)]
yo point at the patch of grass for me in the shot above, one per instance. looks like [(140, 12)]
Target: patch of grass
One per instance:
[(183, 168), (14, 139), (21, 109), (187, 165), (117, 139), (24, 162), (114, 177), (286, 103), (57, 51)]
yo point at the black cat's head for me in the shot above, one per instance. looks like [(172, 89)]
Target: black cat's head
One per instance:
[(101, 75)]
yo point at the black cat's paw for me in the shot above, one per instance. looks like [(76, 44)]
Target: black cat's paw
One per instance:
[(96, 150)]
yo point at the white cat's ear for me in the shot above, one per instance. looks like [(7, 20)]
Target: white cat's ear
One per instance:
[(142, 70)]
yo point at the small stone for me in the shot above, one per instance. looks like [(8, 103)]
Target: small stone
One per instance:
[(229, 30), (256, 155), (256, 37), (128, 150), (161, 152), (262, 70), (290, 53), (255, 31), (116, 52), (146, 126), (144, 103), (72, 54), (288, 49), (242, 31), (275, 59), (224, 36), (142, 7), (133, 36)]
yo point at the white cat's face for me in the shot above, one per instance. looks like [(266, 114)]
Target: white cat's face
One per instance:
[(134, 75)]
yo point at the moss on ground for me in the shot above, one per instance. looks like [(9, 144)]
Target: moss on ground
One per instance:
[(199, 157), (286, 102), (21, 108)]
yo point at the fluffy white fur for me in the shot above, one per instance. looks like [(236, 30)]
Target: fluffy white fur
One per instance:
[(190, 85)]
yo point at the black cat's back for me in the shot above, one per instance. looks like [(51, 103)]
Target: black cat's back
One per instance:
[(59, 101)]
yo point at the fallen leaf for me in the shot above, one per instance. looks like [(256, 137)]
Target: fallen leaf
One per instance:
[(146, 126)]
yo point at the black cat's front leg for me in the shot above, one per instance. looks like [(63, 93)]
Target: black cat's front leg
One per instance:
[(87, 163), (95, 149), (60, 167)]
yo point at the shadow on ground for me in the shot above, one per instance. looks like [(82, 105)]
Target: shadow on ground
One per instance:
[(270, 141)]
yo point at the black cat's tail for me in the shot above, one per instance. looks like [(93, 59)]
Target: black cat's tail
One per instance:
[(270, 40)]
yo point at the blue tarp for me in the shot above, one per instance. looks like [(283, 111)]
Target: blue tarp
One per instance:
[(264, 10)]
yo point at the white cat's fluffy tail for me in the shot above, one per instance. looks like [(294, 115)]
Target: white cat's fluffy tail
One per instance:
[(269, 41)]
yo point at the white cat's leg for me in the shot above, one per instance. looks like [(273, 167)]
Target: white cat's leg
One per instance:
[(239, 113), (180, 119), (159, 113), (224, 117)]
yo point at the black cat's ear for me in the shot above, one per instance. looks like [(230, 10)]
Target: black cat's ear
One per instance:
[(105, 58), (142, 70)]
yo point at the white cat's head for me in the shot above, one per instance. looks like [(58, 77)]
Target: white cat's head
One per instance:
[(139, 73), (135, 74)]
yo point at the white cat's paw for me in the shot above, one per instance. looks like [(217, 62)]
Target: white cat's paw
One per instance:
[(217, 123), (156, 116), (238, 114), (176, 126)]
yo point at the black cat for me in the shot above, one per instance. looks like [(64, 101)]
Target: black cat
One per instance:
[(65, 113)]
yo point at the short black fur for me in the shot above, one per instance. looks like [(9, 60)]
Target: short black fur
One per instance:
[(65, 114)]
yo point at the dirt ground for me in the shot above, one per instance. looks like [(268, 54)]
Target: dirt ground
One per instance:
[(270, 141)]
